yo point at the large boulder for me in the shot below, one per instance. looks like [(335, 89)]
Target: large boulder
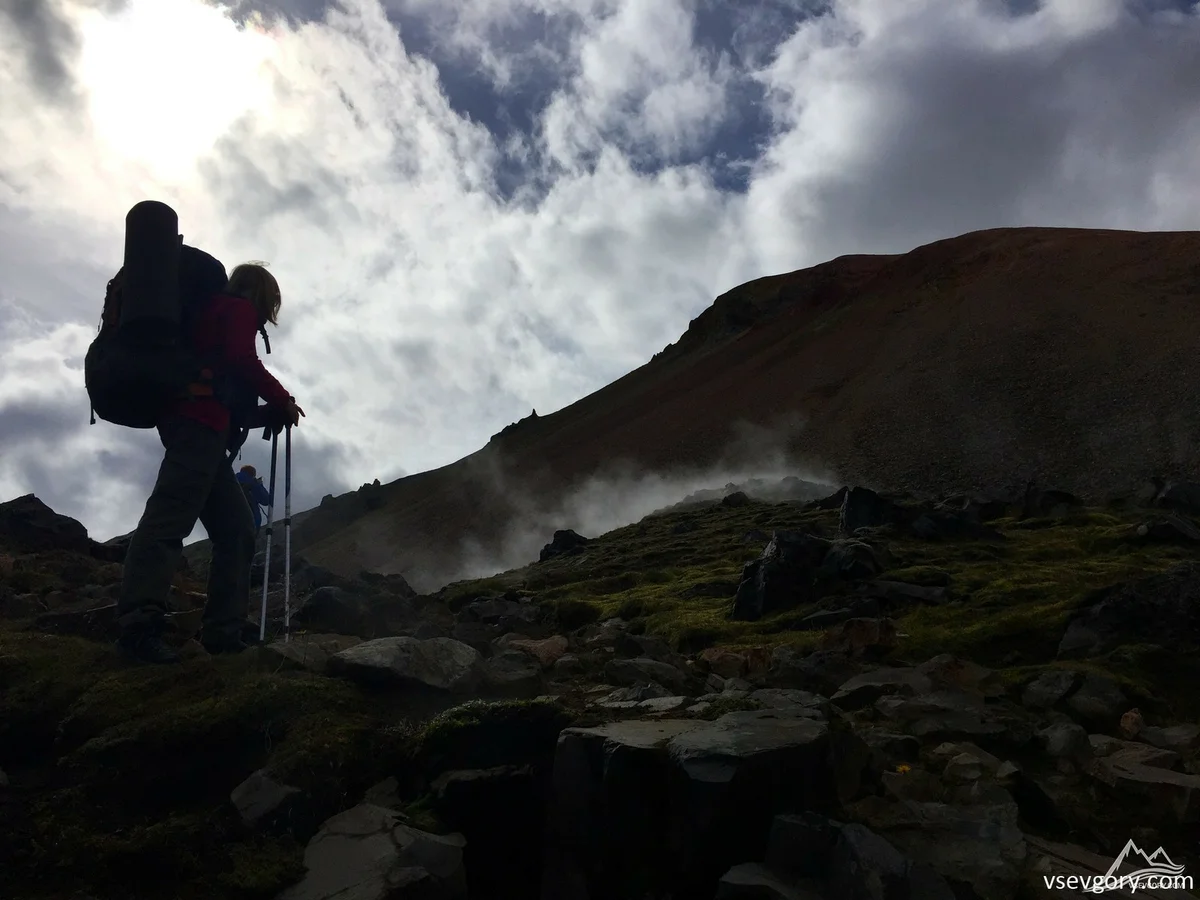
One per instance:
[(784, 576), (263, 803), (955, 519), (500, 811), (852, 560), (547, 651), (608, 816), (27, 525), (501, 615), (1162, 609), (707, 790), (565, 543), (312, 651), (731, 776), (334, 610), (863, 508), (822, 671), (1182, 496), (512, 673), (440, 663)]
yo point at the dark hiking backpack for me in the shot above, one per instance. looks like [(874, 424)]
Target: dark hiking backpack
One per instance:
[(142, 359)]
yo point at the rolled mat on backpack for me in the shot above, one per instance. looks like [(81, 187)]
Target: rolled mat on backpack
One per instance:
[(150, 304)]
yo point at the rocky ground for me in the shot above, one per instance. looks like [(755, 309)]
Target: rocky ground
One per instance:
[(855, 697)]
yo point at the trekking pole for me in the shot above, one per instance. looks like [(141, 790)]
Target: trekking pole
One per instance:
[(262, 621), (287, 535)]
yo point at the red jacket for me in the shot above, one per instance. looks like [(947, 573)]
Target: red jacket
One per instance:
[(226, 331)]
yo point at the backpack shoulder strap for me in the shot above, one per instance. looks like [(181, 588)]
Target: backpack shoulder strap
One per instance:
[(111, 314)]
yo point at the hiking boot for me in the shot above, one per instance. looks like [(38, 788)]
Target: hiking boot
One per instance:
[(223, 644), (146, 647)]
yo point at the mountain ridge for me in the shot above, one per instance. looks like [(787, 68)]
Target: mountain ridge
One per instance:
[(975, 363)]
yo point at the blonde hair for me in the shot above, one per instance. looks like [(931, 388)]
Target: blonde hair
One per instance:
[(253, 282)]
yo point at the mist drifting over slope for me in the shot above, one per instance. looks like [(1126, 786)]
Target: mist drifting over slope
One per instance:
[(622, 493)]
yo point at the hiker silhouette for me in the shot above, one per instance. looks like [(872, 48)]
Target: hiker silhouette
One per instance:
[(195, 480), (256, 492)]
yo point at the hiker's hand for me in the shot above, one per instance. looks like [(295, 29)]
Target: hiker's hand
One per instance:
[(292, 413), (275, 419)]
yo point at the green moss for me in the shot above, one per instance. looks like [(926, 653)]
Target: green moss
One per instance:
[(722, 705), (926, 576), (263, 866), (143, 759), (571, 613), (40, 678), (334, 756), (422, 814), (483, 734), (1010, 599), (197, 708), (191, 855)]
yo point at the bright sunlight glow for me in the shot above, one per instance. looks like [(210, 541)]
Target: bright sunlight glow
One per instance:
[(166, 78)]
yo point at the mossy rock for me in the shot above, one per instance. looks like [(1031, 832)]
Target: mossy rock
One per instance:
[(483, 734)]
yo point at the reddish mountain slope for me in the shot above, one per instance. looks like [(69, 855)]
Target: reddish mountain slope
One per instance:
[(975, 363)]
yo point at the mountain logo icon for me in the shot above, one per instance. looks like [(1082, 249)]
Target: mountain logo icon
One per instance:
[(1156, 864)]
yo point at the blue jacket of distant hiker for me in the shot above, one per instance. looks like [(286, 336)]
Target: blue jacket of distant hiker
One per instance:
[(256, 495)]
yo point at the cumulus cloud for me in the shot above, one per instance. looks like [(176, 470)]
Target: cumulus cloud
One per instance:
[(479, 209)]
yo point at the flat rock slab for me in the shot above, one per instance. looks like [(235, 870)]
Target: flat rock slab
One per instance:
[(754, 881), (366, 853), (1180, 738), (979, 844), (1164, 795), (1118, 750), (863, 690), (649, 705), (633, 671), (313, 651), (713, 751), (800, 703), (440, 663), (638, 734)]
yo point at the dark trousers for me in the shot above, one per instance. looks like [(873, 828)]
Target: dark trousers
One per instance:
[(194, 482)]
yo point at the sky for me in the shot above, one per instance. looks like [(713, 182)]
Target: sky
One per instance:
[(479, 208)]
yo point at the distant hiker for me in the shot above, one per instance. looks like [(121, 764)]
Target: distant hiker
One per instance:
[(196, 481), (256, 493)]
